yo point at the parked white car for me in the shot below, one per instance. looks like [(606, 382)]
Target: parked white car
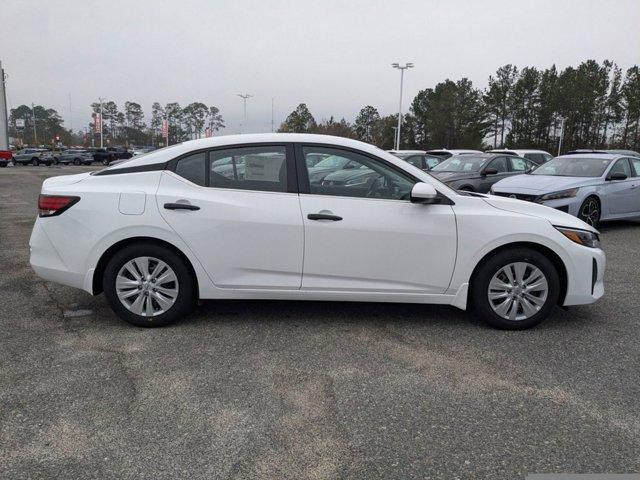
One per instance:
[(158, 232), (536, 156)]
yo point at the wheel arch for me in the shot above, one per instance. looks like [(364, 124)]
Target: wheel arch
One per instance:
[(546, 251), (97, 286)]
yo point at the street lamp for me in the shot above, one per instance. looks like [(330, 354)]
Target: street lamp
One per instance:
[(244, 97), (402, 68)]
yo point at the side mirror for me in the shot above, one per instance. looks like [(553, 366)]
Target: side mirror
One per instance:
[(490, 171), (423, 193), (617, 176)]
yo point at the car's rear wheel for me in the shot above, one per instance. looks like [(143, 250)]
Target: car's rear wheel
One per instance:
[(515, 289), (77, 161), (590, 211), (149, 285), (35, 162)]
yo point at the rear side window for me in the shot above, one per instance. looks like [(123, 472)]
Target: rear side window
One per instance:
[(249, 168), (193, 168)]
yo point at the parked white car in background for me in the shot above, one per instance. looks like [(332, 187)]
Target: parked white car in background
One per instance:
[(536, 156), (158, 232)]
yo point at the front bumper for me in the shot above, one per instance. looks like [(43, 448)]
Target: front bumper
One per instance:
[(585, 276)]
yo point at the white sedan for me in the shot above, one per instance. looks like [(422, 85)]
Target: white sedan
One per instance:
[(237, 217)]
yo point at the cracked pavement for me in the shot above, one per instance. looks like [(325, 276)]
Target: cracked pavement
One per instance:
[(309, 390)]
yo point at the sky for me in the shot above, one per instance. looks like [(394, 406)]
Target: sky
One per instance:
[(333, 55)]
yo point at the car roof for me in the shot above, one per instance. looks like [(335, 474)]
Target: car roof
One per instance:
[(605, 155), (519, 151), (416, 152), (168, 153), (454, 151)]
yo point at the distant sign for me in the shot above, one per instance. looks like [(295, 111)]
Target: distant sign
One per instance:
[(19, 122), (208, 132), (97, 123), (165, 128)]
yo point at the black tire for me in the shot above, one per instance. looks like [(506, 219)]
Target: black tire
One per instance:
[(590, 211), (480, 287), (105, 161), (3, 164), (185, 300), (76, 161), (55, 161), (35, 162)]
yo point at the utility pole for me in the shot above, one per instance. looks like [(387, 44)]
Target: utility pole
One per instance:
[(271, 114), (561, 135), (101, 120), (70, 115), (4, 124), (35, 132), (244, 97), (402, 69)]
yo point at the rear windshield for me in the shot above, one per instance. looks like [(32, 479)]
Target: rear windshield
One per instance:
[(461, 163)]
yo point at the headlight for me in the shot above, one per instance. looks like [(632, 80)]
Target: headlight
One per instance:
[(581, 237), (572, 192)]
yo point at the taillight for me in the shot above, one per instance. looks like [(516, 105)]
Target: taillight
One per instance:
[(52, 205)]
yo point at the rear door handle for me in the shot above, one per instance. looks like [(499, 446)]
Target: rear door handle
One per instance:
[(180, 206), (323, 216)]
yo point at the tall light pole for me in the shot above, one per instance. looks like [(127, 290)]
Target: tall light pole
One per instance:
[(4, 120), (402, 69), (101, 120), (244, 97), (35, 132)]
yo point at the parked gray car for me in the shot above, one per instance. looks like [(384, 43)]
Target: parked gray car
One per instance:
[(32, 156), (591, 186), (418, 158), (77, 156), (477, 172)]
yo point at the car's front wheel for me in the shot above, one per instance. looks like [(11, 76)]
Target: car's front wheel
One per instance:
[(590, 211), (515, 289), (149, 285), (35, 162)]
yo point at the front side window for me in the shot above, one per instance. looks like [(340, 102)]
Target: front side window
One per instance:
[(249, 168), (621, 166), (518, 164), (416, 161), (500, 164), (350, 174), (635, 162), (193, 168)]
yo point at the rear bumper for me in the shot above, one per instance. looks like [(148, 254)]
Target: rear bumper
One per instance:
[(47, 262)]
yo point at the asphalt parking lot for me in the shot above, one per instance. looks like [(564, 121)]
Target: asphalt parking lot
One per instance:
[(305, 389)]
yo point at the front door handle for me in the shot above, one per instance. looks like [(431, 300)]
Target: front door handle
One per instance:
[(323, 216), (180, 206)]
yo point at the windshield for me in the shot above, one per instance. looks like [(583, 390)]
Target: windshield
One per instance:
[(573, 167), (461, 163)]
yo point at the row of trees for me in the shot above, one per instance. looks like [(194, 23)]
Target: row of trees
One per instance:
[(591, 106), (126, 126)]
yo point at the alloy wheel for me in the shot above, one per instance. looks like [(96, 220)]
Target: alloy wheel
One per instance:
[(590, 212), (518, 291), (147, 286)]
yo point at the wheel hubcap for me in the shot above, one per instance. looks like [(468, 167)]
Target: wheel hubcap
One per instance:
[(518, 291), (147, 286), (590, 212)]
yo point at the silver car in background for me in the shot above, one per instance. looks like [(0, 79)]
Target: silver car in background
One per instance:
[(594, 187)]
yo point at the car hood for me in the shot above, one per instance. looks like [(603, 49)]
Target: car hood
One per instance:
[(556, 217), (453, 176), (542, 183)]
